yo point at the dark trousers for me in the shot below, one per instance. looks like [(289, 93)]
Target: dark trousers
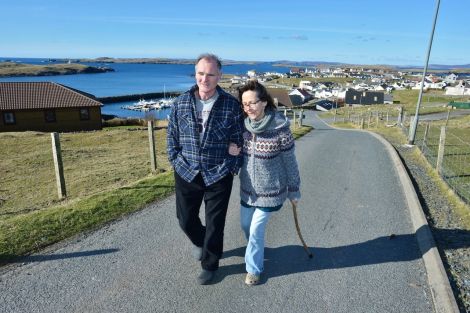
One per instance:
[(189, 198)]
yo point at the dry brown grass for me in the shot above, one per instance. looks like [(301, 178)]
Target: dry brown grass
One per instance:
[(93, 162)]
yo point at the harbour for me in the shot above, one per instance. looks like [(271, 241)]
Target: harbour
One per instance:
[(122, 89)]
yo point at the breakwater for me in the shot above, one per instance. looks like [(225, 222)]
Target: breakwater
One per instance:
[(134, 97)]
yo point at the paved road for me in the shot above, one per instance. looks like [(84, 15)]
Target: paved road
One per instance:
[(352, 203), (443, 115)]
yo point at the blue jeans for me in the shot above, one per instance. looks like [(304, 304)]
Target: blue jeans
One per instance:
[(253, 223)]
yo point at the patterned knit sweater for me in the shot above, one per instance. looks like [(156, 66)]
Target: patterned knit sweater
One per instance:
[(269, 174)]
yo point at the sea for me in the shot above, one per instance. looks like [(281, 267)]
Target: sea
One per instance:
[(131, 79)]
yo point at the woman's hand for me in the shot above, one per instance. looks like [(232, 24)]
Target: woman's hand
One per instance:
[(233, 149)]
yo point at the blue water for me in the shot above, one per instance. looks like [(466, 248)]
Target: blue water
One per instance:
[(117, 110), (130, 79)]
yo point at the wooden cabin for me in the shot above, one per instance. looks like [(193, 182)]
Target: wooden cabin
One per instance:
[(48, 107)]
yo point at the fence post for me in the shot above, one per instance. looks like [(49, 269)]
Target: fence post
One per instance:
[(369, 118), (301, 117), (153, 157), (399, 119), (377, 120), (426, 130), (59, 168), (448, 115), (362, 122), (294, 119), (334, 117), (440, 153), (387, 118)]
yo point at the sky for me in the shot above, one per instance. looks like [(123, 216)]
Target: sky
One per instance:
[(348, 31)]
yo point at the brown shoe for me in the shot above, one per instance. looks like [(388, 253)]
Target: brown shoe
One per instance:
[(252, 279)]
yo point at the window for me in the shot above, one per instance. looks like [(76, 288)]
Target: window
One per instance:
[(355, 97), (9, 118), (84, 114), (49, 116), (375, 99)]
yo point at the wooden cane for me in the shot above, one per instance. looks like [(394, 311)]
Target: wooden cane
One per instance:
[(307, 250)]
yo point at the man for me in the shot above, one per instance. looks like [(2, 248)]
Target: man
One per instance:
[(202, 123)]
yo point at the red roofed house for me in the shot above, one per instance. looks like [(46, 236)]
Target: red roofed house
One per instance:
[(46, 106)]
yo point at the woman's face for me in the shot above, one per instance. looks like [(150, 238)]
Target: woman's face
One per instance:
[(252, 105)]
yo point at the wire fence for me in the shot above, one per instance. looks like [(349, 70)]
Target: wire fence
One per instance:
[(446, 148), (455, 165)]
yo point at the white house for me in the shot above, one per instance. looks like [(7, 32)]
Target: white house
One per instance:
[(362, 86), (323, 93), (428, 85), (304, 95), (237, 80), (451, 78), (417, 86), (460, 89), (251, 73), (306, 84)]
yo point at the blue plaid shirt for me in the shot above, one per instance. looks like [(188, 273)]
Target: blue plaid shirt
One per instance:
[(190, 155)]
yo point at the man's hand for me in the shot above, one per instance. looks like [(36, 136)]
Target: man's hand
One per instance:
[(233, 149), (294, 201)]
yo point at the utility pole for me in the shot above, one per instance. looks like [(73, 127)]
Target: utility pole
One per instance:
[(414, 125)]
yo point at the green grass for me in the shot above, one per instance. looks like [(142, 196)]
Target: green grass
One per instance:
[(101, 169), (298, 132), (24, 233), (432, 101), (107, 175), (93, 162)]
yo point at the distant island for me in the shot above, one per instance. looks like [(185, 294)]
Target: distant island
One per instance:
[(11, 69), (465, 68), (154, 61)]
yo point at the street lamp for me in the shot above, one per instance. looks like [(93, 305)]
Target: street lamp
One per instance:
[(413, 126)]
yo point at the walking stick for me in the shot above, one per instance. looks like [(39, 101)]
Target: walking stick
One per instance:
[(294, 210)]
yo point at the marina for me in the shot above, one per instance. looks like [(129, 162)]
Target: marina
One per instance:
[(148, 105)]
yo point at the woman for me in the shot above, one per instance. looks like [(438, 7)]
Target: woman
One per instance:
[(269, 174)]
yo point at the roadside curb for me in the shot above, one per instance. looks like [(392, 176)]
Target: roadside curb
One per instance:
[(443, 297), (441, 292)]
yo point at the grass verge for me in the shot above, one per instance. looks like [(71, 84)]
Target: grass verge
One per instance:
[(26, 233), (298, 132)]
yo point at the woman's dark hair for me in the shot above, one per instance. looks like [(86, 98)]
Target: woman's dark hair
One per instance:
[(261, 92)]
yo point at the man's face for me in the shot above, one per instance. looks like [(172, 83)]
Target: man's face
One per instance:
[(207, 76)]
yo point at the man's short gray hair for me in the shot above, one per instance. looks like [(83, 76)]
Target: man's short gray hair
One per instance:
[(211, 57)]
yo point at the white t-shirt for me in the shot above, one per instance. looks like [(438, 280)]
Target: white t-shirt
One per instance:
[(203, 109)]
